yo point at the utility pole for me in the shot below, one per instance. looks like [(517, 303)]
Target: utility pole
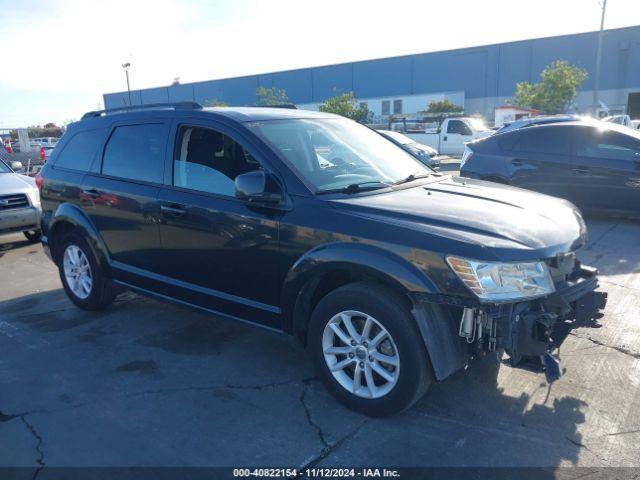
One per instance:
[(126, 72), (596, 87)]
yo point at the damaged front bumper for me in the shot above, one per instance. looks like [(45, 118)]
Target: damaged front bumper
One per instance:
[(531, 332)]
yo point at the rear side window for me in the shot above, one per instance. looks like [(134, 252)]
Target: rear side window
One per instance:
[(80, 150), (136, 152), (546, 140)]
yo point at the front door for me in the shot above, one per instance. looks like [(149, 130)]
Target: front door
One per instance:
[(219, 252), (453, 140), (606, 171)]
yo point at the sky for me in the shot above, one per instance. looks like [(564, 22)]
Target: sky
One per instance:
[(60, 56)]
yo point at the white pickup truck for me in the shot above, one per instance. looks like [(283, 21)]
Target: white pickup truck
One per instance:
[(453, 133)]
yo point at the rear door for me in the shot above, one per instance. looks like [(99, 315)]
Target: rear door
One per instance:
[(540, 160), (456, 133), (606, 170), (120, 196)]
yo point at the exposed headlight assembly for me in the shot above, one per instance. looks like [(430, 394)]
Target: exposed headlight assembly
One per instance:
[(503, 282)]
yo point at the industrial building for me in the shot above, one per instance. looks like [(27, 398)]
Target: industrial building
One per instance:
[(478, 78)]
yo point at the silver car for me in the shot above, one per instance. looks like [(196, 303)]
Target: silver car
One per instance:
[(19, 203)]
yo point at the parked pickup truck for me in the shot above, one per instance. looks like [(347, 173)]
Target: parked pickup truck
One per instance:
[(453, 133)]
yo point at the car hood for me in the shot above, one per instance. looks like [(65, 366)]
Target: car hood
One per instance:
[(503, 222), (15, 183)]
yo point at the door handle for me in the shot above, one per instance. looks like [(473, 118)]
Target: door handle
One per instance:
[(516, 162), (444, 139), (173, 211), (581, 171), (91, 192)]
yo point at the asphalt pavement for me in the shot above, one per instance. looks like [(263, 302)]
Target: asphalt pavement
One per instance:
[(154, 384)]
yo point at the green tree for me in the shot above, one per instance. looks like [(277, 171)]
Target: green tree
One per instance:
[(557, 90), (271, 96), (214, 102), (347, 106), (443, 106)]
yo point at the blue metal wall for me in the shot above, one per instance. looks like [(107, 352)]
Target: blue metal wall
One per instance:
[(489, 71)]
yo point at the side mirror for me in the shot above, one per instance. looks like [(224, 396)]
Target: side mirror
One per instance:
[(15, 165), (252, 187)]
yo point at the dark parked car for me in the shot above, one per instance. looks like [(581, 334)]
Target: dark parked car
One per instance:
[(595, 166), (392, 275)]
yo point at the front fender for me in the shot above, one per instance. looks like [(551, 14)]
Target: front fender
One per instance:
[(369, 260), (68, 213)]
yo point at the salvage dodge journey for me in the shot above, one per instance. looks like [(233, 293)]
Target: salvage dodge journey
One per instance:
[(393, 275)]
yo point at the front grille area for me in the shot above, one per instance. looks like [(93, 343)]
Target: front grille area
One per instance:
[(9, 202)]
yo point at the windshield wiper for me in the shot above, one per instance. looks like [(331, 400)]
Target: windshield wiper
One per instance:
[(356, 187), (412, 177)]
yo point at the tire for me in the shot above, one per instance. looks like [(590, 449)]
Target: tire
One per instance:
[(33, 235), (362, 302), (100, 292)]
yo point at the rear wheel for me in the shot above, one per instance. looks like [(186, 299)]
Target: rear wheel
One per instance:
[(367, 349), (82, 277), (33, 235)]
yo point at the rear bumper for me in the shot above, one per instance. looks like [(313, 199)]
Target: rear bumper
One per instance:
[(19, 220)]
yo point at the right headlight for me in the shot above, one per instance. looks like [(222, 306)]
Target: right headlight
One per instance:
[(503, 282)]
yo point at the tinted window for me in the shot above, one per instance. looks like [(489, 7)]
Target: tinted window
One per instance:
[(136, 152), (610, 145), (79, 152), (547, 140), (458, 126), (208, 161)]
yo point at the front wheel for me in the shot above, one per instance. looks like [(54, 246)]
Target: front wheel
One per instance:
[(367, 349), (82, 277)]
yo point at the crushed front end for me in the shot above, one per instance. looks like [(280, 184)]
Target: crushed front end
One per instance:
[(531, 331)]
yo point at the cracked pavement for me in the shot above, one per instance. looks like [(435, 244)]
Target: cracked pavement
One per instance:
[(154, 384)]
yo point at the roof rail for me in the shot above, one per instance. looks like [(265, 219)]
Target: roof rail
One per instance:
[(149, 106), (279, 105)]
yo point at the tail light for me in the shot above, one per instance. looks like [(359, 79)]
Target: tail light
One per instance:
[(9, 148), (43, 155), (39, 179)]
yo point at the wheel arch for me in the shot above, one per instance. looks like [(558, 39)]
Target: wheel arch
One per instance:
[(69, 217), (328, 267)]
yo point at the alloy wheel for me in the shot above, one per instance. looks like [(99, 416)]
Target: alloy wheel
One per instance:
[(361, 354), (77, 271)]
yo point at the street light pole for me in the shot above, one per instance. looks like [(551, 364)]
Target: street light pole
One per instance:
[(596, 87), (126, 72)]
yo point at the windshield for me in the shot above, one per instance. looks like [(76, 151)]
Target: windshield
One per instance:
[(398, 137), (338, 153), (477, 124), (4, 168)]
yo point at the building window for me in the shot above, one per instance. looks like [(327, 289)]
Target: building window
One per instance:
[(386, 107), (397, 107)]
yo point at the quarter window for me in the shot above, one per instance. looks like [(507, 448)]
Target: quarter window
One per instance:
[(80, 150), (136, 152), (209, 161)]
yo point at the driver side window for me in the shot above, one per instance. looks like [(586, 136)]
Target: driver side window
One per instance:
[(459, 127), (209, 161)]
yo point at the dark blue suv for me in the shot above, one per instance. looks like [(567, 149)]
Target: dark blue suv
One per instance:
[(392, 274)]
